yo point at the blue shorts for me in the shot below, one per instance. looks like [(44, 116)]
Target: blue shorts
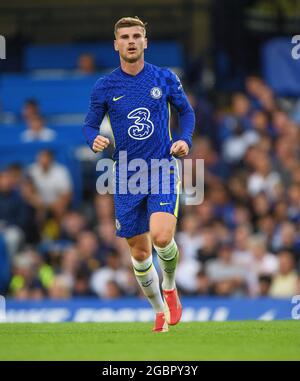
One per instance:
[(133, 211)]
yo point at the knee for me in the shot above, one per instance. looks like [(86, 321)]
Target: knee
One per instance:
[(161, 239), (140, 255)]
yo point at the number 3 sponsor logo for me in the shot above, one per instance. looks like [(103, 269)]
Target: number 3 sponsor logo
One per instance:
[(143, 127)]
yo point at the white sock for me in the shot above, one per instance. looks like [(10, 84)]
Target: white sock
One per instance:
[(167, 258), (147, 277)]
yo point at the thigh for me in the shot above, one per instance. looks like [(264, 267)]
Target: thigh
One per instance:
[(162, 224), (131, 215)]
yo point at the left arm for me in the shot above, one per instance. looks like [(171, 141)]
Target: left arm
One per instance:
[(178, 99)]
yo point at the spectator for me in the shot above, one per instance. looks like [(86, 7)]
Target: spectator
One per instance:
[(235, 147), (215, 169), (202, 284), (225, 277), (33, 211), (224, 209), (263, 263), (81, 286), (104, 207), (12, 212), (285, 282), (205, 125), (189, 239), (264, 179), (241, 255), (16, 174), (108, 280), (237, 186), (70, 264), (293, 201), (53, 183), (286, 237), (72, 224), (89, 251), (60, 288), (86, 64), (237, 116), (254, 86), (25, 282), (36, 131), (30, 110), (264, 284), (208, 248)]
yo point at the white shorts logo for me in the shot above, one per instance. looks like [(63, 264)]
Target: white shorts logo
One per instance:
[(156, 92), (142, 127)]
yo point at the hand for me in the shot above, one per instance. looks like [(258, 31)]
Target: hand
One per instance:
[(100, 143), (179, 148)]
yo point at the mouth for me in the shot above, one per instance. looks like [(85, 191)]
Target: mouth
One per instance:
[(131, 50)]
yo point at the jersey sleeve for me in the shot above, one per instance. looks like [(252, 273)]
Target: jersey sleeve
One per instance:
[(178, 99), (96, 112)]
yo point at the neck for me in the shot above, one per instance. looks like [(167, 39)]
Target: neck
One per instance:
[(132, 68)]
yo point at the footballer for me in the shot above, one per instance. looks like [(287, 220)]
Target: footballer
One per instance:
[(137, 97)]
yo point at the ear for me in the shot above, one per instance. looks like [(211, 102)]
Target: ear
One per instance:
[(116, 45), (146, 43)]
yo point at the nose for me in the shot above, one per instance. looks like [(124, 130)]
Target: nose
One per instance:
[(131, 41)]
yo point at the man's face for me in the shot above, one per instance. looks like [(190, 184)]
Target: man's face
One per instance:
[(45, 160), (130, 43)]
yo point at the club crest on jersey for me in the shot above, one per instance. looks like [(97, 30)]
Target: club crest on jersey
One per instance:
[(143, 126), (156, 92)]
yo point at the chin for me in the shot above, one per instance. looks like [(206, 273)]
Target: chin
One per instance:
[(132, 59)]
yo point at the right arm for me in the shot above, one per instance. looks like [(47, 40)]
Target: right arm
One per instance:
[(96, 112)]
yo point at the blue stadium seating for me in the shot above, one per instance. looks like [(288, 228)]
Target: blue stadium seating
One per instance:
[(69, 92), (59, 95), (69, 135), (64, 56)]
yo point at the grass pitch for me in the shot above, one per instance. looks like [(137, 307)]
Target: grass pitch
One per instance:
[(248, 340)]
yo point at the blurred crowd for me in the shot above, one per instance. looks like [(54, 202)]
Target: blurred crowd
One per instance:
[(243, 240)]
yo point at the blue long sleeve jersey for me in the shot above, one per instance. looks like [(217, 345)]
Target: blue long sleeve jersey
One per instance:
[(138, 108)]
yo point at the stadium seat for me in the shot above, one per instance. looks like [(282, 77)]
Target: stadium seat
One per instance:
[(64, 56), (58, 95)]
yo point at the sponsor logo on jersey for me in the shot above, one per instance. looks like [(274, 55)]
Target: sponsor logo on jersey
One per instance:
[(143, 127)]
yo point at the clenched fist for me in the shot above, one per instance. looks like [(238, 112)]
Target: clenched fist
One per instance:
[(100, 143), (179, 148)]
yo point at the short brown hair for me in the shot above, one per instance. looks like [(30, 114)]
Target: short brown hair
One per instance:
[(126, 22)]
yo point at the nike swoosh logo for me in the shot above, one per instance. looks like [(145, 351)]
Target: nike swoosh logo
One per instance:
[(164, 203), (117, 98)]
